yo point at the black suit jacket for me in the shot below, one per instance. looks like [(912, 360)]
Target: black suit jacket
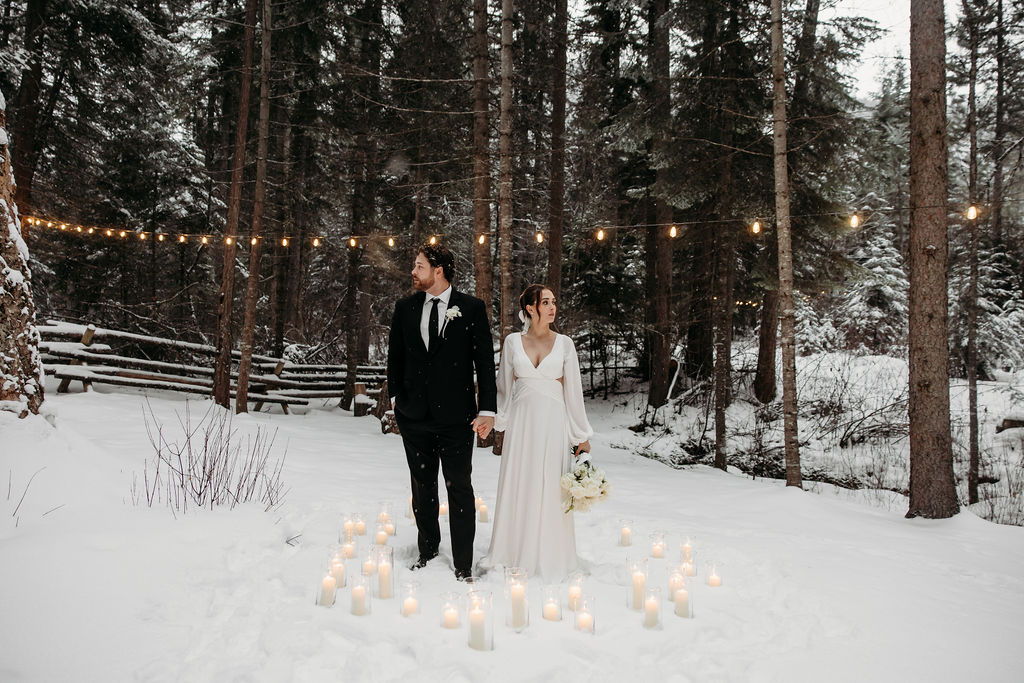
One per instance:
[(438, 386)]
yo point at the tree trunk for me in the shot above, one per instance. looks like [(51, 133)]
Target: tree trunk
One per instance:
[(768, 337), (509, 300), (21, 370), (972, 285), (27, 104), (782, 220), (659, 243), (932, 488), (1000, 127), (258, 208), (225, 299), (556, 217), (481, 162)]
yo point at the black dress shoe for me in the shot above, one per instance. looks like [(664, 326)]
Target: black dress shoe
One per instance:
[(422, 561), (464, 574)]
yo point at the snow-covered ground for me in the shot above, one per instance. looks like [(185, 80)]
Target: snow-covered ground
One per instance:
[(94, 587)]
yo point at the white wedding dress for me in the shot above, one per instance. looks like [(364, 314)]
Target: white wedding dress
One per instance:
[(541, 411)]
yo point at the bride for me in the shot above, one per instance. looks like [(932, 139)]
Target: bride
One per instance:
[(540, 409)]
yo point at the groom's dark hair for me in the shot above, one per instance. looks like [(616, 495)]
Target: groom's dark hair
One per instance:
[(440, 257)]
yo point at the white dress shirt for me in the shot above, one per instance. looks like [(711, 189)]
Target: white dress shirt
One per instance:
[(442, 309)]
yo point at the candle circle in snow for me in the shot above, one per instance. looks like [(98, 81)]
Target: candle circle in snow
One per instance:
[(714, 579), (625, 532), (327, 588), (637, 573), (575, 591), (517, 606), (682, 600), (658, 544), (585, 615), (385, 574), (686, 550), (551, 605), (360, 525), (382, 536), (450, 610), (410, 599), (485, 514), (652, 608), (360, 596), (480, 615)]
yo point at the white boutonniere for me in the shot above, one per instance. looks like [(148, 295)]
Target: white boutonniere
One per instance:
[(450, 315)]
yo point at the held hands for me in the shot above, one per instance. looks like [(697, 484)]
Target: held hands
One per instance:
[(482, 425)]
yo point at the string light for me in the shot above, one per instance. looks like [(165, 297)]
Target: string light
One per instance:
[(142, 236), (92, 230), (540, 237), (205, 240), (160, 237), (253, 241), (284, 241), (600, 234), (854, 221), (756, 227), (433, 239), (352, 242), (316, 241), (122, 234), (228, 240), (79, 228), (972, 212), (391, 241), (481, 239), (181, 239), (673, 232)]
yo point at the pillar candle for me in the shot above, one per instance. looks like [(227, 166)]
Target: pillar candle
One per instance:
[(585, 621), (658, 549), (689, 569), (551, 611), (687, 550), (574, 597), (348, 551), (517, 595), (639, 583), (409, 606), (360, 528), (384, 579), (338, 572), (675, 582), (359, 600), (390, 528), (477, 629), (443, 509), (382, 537), (451, 617), (714, 579), (327, 591), (650, 612), (626, 536), (485, 515), (349, 528), (682, 599), (369, 567)]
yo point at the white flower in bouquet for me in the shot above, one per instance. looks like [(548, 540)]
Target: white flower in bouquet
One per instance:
[(584, 486)]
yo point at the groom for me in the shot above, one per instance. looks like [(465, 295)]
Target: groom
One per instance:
[(438, 337)]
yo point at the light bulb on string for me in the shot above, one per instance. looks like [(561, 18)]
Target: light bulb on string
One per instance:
[(122, 234), (91, 230), (253, 241), (854, 221), (433, 239), (540, 237), (205, 240), (972, 212), (391, 241), (755, 227), (316, 241), (352, 242), (160, 237), (284, 241), (600, 234), (228, 240), (481, 239), (142, 236), (182, 239), (110, 233), (79, 228), (63, 226), (673, 232)]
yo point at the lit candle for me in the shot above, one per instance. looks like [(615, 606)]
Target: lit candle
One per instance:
[(651, 612), (327, 591), (349, 528), (585, 621), (369, 566), (639, 583), (477, 502), (485, 516), (574, 597), (443, 508), (689, 569), (348, 551), (551, 611), (384, 579), (338, 572), (360, 528), (382, 537), (714, 580), (477, 629), (658, 549), (390, 528), (517, 595), (682, 599), (383, 517), (358, 600), (451, 617), (626, 536), (687, 550), (409, 606), (675, 582)]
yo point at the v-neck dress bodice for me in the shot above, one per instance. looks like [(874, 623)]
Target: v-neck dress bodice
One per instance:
[(541, 412)]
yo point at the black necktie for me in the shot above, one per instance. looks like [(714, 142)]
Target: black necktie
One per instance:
[(432, 325)]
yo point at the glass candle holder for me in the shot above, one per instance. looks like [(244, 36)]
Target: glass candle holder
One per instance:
[(337, 570), (390, 527), (637, 571), (658, 545), (689, 567), (327, 589), (359, 524), (626, 532), (410, 605), (480, 615), (368, 561), (450, 608), (385, 584), (683, 601), (652, 608), (551, 604), (384, 516), (517, 605), (381, 537), (712, 575), (442, 508), (409, 512), (686, 550), (360, 594), (575, 591), (585, 621), (476, 502), (348, 529), (483, 512), (676, 580)]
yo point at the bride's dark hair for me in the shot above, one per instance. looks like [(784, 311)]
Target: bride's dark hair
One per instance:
[(531, 297)]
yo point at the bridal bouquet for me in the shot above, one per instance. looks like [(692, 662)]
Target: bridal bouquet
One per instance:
[(584, 486)]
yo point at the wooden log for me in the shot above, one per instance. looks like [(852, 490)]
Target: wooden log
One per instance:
[(86, 340), (360, 401)]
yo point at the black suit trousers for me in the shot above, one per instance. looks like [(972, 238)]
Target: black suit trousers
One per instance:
[(428, 445)]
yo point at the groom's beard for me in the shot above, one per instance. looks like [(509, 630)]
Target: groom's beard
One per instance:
[(422, 285)]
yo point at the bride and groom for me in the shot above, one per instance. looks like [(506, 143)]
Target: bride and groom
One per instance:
[(439, 337)]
